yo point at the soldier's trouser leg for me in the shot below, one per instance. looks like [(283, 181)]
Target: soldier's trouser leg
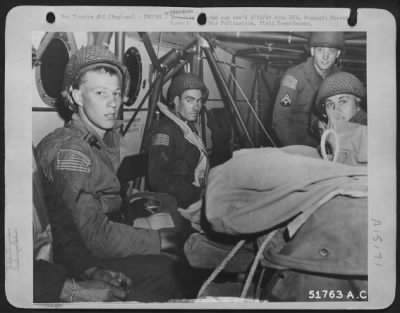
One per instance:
[(157, 278)]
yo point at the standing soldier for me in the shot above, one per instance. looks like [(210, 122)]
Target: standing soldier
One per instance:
[(295, 99)]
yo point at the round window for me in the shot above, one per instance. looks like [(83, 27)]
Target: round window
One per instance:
[(58, 47), (133, 62)]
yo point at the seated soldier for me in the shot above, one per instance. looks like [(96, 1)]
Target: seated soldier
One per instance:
[(178, 161), (65, 270), (56, 282), (178, 166), (339, 106), (79, 163)]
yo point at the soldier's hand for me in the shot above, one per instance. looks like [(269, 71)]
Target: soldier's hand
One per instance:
[(321, 127), (91, 291), (116, 279)]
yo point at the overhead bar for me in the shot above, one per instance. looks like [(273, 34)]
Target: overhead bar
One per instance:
[(269, 49), (248, 37)]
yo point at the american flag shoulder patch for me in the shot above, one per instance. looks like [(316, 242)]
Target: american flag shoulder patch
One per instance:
[(160, 140), (73, 160), (289, 81)]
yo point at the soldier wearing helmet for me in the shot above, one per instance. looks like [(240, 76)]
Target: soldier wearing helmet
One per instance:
[(343, 94), (178, 161), (299, 85), (80, 162), (339, 106)]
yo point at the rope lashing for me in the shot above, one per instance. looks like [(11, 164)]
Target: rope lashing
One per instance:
[(230, 255), (255, 263), (220, 267)]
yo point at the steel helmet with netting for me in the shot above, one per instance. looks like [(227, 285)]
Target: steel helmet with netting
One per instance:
[(183, 82), (339, 83), (87, 58)]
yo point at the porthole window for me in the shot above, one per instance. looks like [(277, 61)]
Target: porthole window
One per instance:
[(58, 47), (133, 62)]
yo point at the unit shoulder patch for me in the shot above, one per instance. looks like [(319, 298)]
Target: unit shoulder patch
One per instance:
[(73, 160), (289, 81), (160, 140), (286, 101)]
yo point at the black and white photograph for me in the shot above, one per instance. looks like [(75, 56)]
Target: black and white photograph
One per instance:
[(222, 159)]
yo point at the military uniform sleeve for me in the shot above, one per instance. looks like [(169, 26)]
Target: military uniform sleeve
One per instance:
[(69, 249), (48, 281), (284, 102), (166, 174), (104, 238)]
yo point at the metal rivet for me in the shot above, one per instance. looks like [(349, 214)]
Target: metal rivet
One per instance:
[(324, 252)]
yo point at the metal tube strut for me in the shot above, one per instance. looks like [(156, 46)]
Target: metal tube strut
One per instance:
[(154, 96), (166, 78), (149, 47), (224, 89)]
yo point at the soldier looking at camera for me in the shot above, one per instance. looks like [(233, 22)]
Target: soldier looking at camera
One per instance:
[(340, 108), (296, 96), (79, 162), (178, 161)]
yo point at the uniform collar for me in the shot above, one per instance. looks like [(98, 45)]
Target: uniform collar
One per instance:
[(91, 136), (312, 72), (192, 125)]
